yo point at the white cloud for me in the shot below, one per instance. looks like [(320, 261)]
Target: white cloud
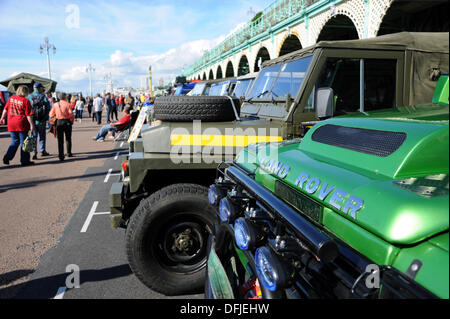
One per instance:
[(129, 70), (76, 73)]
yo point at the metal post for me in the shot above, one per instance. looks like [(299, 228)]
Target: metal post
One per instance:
[(150, 80), (48, 65), (47, 46), (361, 85), (89, 70)]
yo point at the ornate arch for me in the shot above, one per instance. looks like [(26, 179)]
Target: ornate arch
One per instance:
[(354, 10), (378, 10), (285, 36), (255, 57)]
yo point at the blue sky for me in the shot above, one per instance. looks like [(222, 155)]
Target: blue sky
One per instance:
[(121, 37)]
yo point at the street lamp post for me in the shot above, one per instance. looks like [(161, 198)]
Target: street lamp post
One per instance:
[(89, 70), (150, 80), (47, 46)]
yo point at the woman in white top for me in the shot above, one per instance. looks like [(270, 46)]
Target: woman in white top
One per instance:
[(79, 107)]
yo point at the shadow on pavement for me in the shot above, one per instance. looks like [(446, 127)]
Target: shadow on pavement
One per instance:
[(14, 275), (78, 157), (4, 188), (45, 288)]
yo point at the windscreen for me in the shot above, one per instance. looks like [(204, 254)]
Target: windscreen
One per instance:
[(265, 81), (198, 89), (178, 91), (218, 89), (279, 80), (242, 87)]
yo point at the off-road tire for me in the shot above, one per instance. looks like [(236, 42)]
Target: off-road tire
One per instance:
[(149, 238), (189, 108)]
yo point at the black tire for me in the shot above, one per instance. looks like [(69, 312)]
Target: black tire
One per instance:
[(189, 108), (162, 253)]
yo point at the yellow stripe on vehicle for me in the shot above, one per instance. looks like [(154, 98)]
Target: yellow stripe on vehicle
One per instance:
[(220, 140)]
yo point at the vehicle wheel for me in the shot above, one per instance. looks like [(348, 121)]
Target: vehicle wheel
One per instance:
[(189, 108), (167, 236)]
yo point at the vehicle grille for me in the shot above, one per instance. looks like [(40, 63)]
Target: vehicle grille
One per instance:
[(373, 142)]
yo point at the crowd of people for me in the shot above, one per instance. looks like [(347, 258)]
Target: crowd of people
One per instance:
[(32, 113)]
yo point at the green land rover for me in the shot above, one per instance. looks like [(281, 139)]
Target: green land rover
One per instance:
[(358, 209)]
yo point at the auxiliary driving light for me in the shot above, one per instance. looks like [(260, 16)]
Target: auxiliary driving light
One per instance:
[(226, 210), (215, 194), (269, 269), (245, 234)]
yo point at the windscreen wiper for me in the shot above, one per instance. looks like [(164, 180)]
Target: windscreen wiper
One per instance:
[(260, 94)]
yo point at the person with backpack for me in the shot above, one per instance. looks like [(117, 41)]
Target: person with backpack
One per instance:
[(41, 108)]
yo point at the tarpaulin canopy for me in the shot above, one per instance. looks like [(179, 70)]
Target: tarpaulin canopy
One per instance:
[(28, 79)]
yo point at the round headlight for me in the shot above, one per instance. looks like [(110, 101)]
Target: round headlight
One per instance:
[(213, 195), (242, 234), (270, 271), (226, 210)]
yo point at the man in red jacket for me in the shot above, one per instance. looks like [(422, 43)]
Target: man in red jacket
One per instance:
[(114, 127)]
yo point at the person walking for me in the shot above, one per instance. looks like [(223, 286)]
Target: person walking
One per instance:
[(98, 106), (129, 101), (73, 102), (117, 103), (41, 108), (89, 106), (114, 127), (79, 106), (121, 103), (64, 120), (51, 100), (19, 113), (108, 107), (114, 108)]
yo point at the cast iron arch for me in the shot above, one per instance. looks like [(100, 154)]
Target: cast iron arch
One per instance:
[(264, 55), (339, 27), (290, 44), (229, 72), (428, 16), (243, 67), (219, 74)]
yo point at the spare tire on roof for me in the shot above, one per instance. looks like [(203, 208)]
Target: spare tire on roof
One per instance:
[(189, 108)]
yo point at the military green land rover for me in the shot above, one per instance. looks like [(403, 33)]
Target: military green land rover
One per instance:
[(358, 209), (161, 197)]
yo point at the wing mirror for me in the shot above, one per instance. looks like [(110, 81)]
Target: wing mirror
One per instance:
[(324, 103)]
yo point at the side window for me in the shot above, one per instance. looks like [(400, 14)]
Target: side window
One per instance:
[(343, 76), (379, 84)]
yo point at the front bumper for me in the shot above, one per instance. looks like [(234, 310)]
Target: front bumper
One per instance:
[(116, 203)]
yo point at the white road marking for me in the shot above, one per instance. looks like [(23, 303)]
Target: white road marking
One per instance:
[(117, 155), (60, 293), (91, 214), (108, 175), (121, 144)]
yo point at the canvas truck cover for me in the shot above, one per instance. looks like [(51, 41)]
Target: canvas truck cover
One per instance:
[(429, 52), (28, 79)]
